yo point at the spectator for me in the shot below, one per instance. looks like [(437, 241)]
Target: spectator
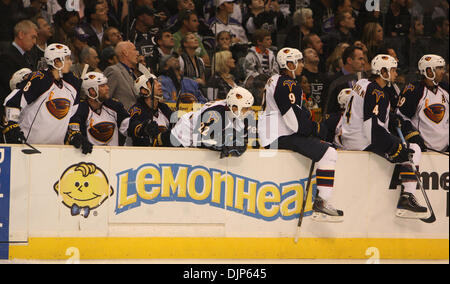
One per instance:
[(222, 81), (316, 78), (16, 56), (88, 62), (96, 17), (373, 39), (44, 34), (260, 59), (182, 5), (117, 12), (189, 24), (264, 15), (306, 88), (223, 41), (303, 24), (107, 58), (353, 58), (438, 44), (111, 37), (77, 41), (223, 21), (191, 65), (164, 47), (343, 32), (121, 75), (143, 31), (177, 88), (323, 15), (334, 62), (65, 23), (313, 41), (10, 14), (398, 19)]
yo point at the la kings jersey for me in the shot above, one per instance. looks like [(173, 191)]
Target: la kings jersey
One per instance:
[(284, 111), (364, 125), (428, 112), (45, 106), (101, 127), (213, 124)]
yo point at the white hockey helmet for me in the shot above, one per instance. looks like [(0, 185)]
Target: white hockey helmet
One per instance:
[(344, 97), (286, 55), (93, 80), (141, 82), (430, 61), (240, 98), (56, 51), (18, 77), (383, 61)]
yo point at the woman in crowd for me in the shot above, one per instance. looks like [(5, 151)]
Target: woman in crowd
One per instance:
[(223, 80), (191, 65)]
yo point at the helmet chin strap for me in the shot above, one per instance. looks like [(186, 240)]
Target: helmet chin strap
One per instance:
[(433, 78), (388, 79), (292, 70)]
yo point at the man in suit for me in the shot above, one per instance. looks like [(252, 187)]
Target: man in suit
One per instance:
[(121, 75), (353, 59), (16, 56)]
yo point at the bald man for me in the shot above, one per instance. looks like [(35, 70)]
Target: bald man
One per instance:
[(121, 75)]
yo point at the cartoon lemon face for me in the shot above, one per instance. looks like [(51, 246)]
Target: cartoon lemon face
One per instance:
[(83, 187)]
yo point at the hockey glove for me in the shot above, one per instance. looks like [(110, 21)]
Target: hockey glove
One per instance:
[(233, 151), (149, 129), (79, 141), (13, 134), (320, 130), (399, 153)]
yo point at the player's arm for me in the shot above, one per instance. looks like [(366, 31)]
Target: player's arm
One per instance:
[(297, 118), (210, 127), (141, 126), (406, 110), (123, 117), (76, 132), (374, 119)]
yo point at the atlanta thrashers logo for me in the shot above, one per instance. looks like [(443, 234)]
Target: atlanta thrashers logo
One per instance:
[(435, 112), (59, 108), (102, 131)]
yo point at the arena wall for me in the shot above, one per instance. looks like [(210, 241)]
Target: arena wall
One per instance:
[(147, 203)]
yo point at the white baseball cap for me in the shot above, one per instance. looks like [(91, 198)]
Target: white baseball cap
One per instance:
[(220, 2)]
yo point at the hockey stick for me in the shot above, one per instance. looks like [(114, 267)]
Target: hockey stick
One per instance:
[(305, 197), (30, 151), (432, 217), (436, 151)]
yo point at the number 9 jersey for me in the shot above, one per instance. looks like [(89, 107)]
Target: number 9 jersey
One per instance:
[(364, 125)]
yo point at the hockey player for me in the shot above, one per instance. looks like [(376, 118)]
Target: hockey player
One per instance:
[(221, 126), (286, 124), (365, 127), (45, 102), (149, 116), (99, 119), (424, 106), (332, 120), (17, 78)]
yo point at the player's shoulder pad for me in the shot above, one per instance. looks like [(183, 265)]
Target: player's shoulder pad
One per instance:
[(135, 110), (412, 87), (165, 109), (113, 104)]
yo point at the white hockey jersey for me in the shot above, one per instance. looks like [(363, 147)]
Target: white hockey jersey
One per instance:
[(428, 112), (209, 124), (45, 106), (284, 112), (366, 119), (101, 127)]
